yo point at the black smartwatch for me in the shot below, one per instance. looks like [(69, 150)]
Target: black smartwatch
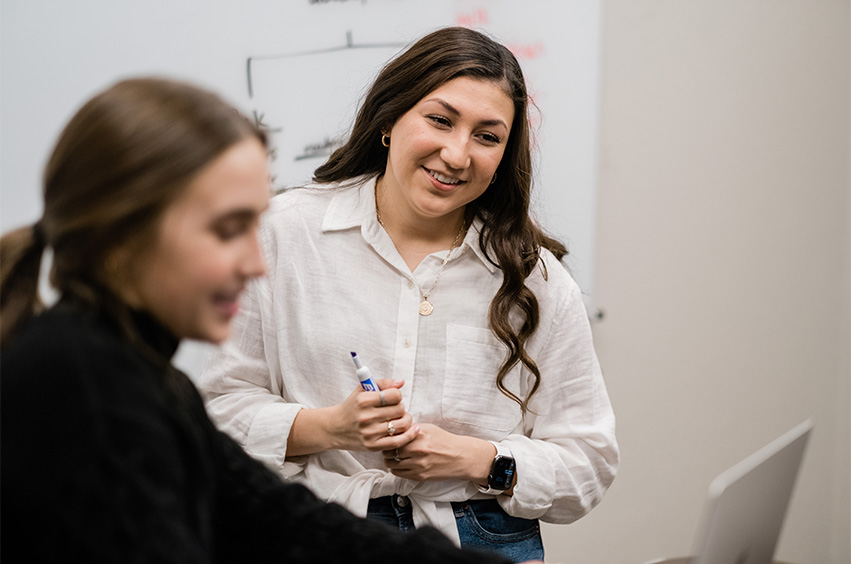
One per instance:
[(502, 471)]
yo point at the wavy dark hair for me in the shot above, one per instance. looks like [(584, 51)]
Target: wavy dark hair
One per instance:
[(124, 157), (509, 238)]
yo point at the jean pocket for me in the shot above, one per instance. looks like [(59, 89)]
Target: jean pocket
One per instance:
[(488, 521)]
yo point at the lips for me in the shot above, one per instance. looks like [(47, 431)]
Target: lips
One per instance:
[(228, 304), (442, 178)]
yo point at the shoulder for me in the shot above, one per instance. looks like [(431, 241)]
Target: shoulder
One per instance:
[(312, 196), (67, 377), (551, 280), (311, 200), (60, 337), (296, 209), (67, 355), (291, 215), (304, 212)]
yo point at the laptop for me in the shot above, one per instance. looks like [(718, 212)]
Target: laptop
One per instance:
[(746, 505)]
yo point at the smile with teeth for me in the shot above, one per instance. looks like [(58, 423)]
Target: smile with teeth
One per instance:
[(444, 179)]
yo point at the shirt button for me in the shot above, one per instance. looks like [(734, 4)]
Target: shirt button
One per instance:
[(410, 283), (402, 501), (406, 343)]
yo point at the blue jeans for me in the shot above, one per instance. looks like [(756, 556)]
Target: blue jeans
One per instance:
[(482, 525)]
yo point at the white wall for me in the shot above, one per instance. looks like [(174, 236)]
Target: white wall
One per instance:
[(722, 263)]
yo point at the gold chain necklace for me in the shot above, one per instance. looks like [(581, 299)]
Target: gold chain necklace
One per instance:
[(426, 307)]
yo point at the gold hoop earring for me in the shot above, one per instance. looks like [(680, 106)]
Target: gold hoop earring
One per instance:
[(494, 178), (385, 139)]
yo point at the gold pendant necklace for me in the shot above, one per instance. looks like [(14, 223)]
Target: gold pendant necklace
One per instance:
[(426, 307)]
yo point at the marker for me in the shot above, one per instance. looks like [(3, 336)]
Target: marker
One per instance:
[(364, 375)]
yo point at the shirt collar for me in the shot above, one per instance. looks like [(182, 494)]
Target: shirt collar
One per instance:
[(351, 206), (355, 207), (472, 241)]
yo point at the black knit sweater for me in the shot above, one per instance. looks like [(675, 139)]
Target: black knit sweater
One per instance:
[(108, 456)]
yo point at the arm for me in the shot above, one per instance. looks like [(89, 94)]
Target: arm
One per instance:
[(246, 398), (359, 423), (567, 455), (436, 454)]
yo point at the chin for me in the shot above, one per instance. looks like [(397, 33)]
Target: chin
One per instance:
[(217, 337), (214, 334)]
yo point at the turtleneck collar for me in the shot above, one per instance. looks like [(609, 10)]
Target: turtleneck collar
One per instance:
[(130, 324), (154, 334)]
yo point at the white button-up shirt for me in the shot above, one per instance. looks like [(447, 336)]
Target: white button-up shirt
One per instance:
[(336, 284)]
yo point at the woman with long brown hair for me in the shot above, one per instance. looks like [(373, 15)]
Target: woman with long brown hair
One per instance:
[(416, 250), (152, 198)]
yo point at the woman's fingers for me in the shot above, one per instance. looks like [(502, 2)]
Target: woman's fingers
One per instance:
[(387, 383), (380, 419), (382, 398), (391, 427), (393, 433)]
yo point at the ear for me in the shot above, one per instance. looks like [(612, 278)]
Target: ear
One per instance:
[(387, 127), (119, 274)]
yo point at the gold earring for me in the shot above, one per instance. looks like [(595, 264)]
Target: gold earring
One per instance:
[(494, 178), (385, 139)]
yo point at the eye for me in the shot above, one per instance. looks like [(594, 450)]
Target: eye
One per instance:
[(230, 228), (440, 120), (490, 138)]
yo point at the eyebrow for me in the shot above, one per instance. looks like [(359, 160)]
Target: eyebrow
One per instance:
[(451, 109), (241, 214)]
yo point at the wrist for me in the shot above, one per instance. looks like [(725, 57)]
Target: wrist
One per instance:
[(480, 454), (329, 421), (311, 431)]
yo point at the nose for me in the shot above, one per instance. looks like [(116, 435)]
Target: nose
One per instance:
[(253, 264), (455, 152)]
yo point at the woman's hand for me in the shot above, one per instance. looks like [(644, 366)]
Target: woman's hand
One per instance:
[(362, 423), (359, 423), (435, 454)]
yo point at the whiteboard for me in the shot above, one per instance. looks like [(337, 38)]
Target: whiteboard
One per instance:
[(301, 67)]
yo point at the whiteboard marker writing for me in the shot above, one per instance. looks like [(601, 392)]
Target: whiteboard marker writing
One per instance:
[(364, 375)]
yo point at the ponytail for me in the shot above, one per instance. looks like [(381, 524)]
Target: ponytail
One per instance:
[(20, 260)]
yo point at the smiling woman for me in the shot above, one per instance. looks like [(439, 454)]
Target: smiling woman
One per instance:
[(443, 154), (206, 249), (416, 249), (152, 201)]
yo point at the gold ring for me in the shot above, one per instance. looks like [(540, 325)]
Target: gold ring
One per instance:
[(391, 430)]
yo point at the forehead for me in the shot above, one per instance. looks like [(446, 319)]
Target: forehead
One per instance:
[(474, 94), (236, 177), (235, 182)]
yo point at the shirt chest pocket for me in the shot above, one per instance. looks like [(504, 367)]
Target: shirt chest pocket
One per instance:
[(470, 395)]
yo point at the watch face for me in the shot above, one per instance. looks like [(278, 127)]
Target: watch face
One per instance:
[(502, 473)]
